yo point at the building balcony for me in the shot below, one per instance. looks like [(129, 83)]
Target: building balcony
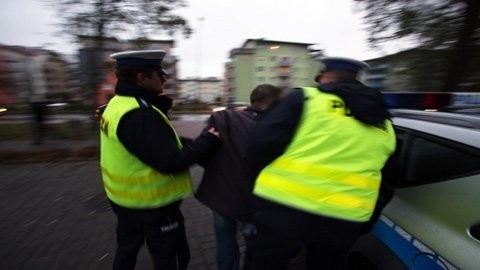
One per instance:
[(285, 63), (285, 74), (284, 84)]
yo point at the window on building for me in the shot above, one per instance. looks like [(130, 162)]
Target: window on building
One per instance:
[(273, 58), (261, 58), (261, 79), (260, 68)]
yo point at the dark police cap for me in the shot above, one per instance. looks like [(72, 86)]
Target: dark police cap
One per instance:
[(143, 57), (342, 63)]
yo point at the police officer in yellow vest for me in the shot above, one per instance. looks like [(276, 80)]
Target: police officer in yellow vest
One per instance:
[(144, 163), (319, 156)]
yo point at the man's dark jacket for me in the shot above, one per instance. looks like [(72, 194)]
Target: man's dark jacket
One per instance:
[(227, 182)]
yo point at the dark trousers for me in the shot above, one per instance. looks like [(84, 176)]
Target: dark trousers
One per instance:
[(227, 251), (163, 231), (283, 232)]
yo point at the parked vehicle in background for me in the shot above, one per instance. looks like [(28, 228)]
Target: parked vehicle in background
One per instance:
[(433, 220)]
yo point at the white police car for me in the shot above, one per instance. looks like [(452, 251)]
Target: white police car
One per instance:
[(433, 219)]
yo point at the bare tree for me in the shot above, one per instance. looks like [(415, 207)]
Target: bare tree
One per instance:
[(106, 19), (135, 18)]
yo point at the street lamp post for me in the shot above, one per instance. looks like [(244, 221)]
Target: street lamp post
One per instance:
[(199, 55)]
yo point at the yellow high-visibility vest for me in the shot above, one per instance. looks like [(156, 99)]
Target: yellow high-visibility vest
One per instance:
[(333, 165), (128, 181)]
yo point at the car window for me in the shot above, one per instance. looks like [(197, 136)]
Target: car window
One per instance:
[(429, 161), (421, 158)]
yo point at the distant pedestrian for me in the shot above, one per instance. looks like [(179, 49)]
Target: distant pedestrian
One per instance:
[(227, 183), (39, 110), (318, 155), (144, 163)]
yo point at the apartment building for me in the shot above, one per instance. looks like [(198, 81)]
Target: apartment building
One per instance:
[(31, 74), (259, 61), (396, 72), (419, 70), (205, 90)]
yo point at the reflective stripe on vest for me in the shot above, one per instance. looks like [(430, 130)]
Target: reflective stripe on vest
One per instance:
[(127, 180), (332, 166)]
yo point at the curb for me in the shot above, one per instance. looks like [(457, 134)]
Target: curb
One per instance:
[(88, 152)]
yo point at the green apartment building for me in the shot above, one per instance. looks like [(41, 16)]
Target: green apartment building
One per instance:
[(258, 61)]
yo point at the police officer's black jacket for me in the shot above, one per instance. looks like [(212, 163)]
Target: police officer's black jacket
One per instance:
[(226, 185), (146, 135)]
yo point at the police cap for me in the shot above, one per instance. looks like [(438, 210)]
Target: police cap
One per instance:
[(342, 63), (143, 57)]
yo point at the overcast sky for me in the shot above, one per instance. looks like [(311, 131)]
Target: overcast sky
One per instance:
[(332, 24)]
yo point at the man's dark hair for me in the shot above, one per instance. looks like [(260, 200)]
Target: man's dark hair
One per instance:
[(129, 72), (265, 94), (339, 75)]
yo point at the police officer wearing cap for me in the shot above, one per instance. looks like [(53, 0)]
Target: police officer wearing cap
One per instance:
[(144, 163), (318, 156)]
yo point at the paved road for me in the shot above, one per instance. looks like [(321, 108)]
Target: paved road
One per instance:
[(49, 118), (55, 215)]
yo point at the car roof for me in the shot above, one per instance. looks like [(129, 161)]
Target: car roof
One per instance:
[(454, 126)]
